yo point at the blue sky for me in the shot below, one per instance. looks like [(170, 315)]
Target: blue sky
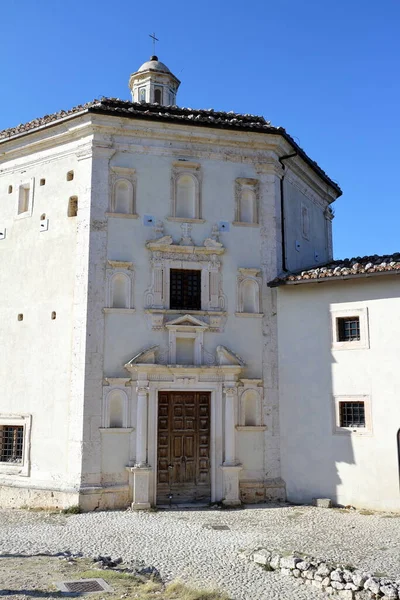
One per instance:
[(327, 71)]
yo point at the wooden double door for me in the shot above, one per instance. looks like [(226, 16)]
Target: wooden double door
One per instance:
[(183, 452)]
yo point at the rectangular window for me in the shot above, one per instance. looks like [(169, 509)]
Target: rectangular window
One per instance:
[(185, 289), (352, 414), (23, 200), (348, 329), (11, 443), (142, 94)]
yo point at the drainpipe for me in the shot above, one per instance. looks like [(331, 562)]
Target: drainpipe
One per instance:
[(281, 159)]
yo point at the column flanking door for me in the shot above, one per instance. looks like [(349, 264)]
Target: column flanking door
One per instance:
[(183, 454)]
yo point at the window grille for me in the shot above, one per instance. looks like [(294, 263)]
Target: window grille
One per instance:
[(352, 414), (185, 289), (11, 443), (348, 329)]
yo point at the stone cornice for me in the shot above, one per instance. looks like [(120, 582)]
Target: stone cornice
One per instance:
[(46, 138), (185, 371), (176, 249), (120, 264)]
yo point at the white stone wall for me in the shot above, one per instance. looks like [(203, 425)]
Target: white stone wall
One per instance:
[(308, 239), (44, 272), (130, 332), (350, 467), (60, 371)]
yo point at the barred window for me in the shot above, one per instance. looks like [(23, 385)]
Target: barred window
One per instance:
[(352, 414), (348, 329), (185, 289), (11, 443)]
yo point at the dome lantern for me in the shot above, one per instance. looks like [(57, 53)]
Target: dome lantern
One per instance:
[(153, 82)]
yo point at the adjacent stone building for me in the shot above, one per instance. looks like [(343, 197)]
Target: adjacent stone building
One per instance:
[(139, 354)]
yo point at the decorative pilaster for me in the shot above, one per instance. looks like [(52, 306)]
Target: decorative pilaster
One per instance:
[(230, 467), (329, 215), (141, 471), (141, 425), (230, 400)]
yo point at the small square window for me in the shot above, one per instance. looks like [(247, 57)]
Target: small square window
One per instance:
[(70, 175), (42, 182), (15, 433), (11, 443), (10, 189), (348, 329), (352, 414), (185, 289)]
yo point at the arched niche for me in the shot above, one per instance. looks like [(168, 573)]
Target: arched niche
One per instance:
[(250, 408), (185, 196), (247, 206), (250, 296), (123, 197), (117, 404), (120, 291)]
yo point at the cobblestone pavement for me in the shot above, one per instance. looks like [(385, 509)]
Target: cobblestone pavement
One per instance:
[(183, 543)]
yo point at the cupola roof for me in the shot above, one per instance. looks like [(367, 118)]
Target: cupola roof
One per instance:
[(154, 65)]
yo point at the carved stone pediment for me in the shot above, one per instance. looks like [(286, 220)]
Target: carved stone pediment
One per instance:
[(227, 357), (186, 321), (185, 245), (154, 358), (146, 357)]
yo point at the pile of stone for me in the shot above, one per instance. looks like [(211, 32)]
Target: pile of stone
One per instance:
[(137, 568), (341, 581)]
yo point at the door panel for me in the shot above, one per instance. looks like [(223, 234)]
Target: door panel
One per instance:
[(183, 447)]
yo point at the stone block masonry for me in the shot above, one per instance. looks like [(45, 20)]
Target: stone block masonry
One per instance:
[(336, 580)]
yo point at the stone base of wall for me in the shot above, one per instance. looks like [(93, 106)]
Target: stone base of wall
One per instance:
[(88, 499), (18, 497), (254, 491), (105, 498)]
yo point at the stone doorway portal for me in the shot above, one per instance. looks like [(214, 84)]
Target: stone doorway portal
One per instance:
[(183, 449)]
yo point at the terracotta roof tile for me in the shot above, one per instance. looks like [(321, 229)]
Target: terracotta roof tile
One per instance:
[(207, 118), (346, 268)]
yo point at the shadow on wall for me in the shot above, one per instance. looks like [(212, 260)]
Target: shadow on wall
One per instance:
[(398, 452), (311, 451)]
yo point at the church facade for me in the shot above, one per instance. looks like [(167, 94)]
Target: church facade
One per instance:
[(141, 345)]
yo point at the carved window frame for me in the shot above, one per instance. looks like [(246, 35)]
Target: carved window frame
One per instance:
[(117, 268), (177, 332), (122, 174), (22, 468), (192, 169), (244, 275), (157, 296), (242, 183)]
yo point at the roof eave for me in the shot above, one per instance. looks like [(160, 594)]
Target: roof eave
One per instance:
[(45, 126), (273, 284)]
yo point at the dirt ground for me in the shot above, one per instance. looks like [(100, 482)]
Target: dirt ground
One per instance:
[(24, 577)]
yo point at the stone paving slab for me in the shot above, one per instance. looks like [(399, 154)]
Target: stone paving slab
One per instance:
[(185, 543)]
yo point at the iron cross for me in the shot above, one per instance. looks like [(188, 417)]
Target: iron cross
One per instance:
[(153, 37)]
